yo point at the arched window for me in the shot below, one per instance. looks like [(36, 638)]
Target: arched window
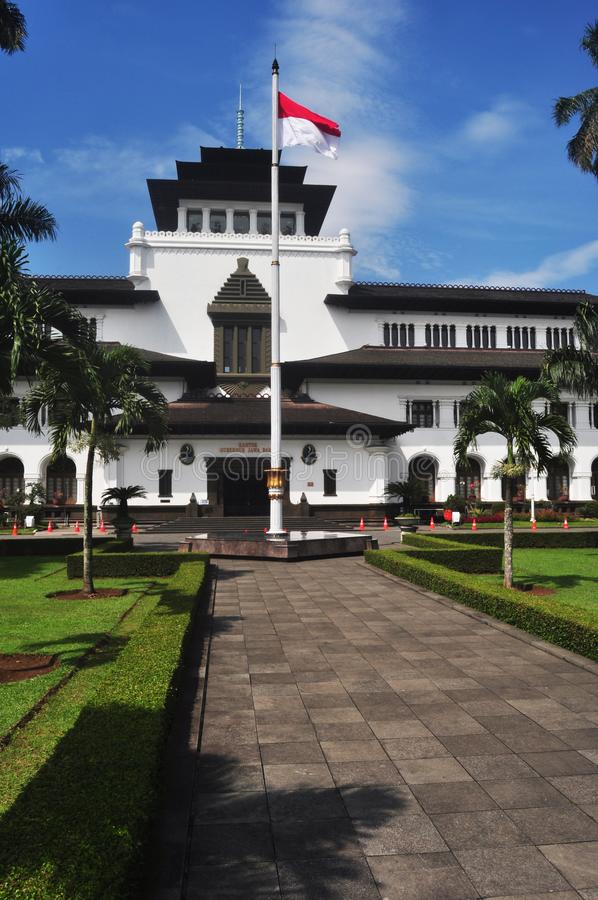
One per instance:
[(11, 477), (394, 335), (468, 481), (386, 334), (557, 481), (469, 335), (594, 488), (423, 469), (428, 336), (517, 488), (61, 482)]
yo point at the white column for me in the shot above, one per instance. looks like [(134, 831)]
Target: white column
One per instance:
[(300, 220), (181, 219), (229, 221), (205, 219), (253, 221), (137, 247), (80, 489), (447, 415), (346, 254)]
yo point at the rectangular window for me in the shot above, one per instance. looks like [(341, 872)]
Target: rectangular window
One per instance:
[(92, 325), (264, 222), (194, 220), (422, 413), (241, 222), (256, 349), (242, 348), (560, 409), (227, 349), (165, 482), (287, 223), (330, 482), (217, 221)]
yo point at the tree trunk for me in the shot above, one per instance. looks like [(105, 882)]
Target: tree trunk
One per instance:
[(88, 585), (508, 551)]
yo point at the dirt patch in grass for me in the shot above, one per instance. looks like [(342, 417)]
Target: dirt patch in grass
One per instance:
[(20, 666), (535, 589), (83, 595)]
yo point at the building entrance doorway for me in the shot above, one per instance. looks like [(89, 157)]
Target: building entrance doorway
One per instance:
[(243, 486)]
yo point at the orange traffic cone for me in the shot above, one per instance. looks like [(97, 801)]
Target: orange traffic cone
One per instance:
[(534, 525), (102, 527), (134, 528), (50, 526), (385, 525), (14, 528), (432, 525), (361, 524), (77, 528), (565, 524), (474, 525)]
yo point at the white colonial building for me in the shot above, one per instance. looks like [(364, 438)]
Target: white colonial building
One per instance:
[(373, 373)]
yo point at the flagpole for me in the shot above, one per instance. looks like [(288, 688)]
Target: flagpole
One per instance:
[(275, 474)]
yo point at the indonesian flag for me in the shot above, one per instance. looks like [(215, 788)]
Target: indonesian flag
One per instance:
[(299, 126)]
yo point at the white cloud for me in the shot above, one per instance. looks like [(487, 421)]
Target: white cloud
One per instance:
[(341, 59), (111, 171), (553, 270), (491, 129), (22, 155)]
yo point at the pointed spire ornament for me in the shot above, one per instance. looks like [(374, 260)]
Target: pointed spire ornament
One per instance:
[(240, 121)]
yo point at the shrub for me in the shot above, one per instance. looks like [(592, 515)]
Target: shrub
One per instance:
[(589, 510), (493, 517), (453, 502), (463, 559), (41, 546), (566, 626), (135, 564), (80, 826), (574, 540)]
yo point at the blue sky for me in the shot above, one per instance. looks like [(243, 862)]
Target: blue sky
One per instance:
[(451, 169)]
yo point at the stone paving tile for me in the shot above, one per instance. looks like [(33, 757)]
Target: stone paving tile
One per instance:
[(422, 876), (473, 830), (577, 862), (510, 870), (362, 740), (217, 882), (564, 824)]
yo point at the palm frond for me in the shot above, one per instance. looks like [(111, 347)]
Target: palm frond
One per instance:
[(13, 29), (589, 41), (23, 219)]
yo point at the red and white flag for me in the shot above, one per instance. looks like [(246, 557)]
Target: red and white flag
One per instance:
[(299, 126)]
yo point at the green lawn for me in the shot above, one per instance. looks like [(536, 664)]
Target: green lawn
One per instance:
[(572, 573), (31, 622)]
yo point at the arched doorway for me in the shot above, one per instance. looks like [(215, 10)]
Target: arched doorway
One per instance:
[(468, 481), (11, 477), (557, 481), (61, 482), (594, 487), (423, 468)]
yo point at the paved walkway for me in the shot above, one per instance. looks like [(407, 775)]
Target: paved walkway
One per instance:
[(363, 740)]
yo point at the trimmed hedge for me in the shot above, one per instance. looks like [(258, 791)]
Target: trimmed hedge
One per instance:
[(566, 626), (574, 540), (42, 546), (107, 564), (80, 827), (463, 558)]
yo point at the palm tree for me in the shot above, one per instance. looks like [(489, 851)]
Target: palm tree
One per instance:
[(96, 397), (582, 149), (13, 30), (22, 219), (500, 406), (576, 369), (31, 317)]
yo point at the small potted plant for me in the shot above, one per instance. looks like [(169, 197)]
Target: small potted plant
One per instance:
[(121, 495), (409, 492)]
